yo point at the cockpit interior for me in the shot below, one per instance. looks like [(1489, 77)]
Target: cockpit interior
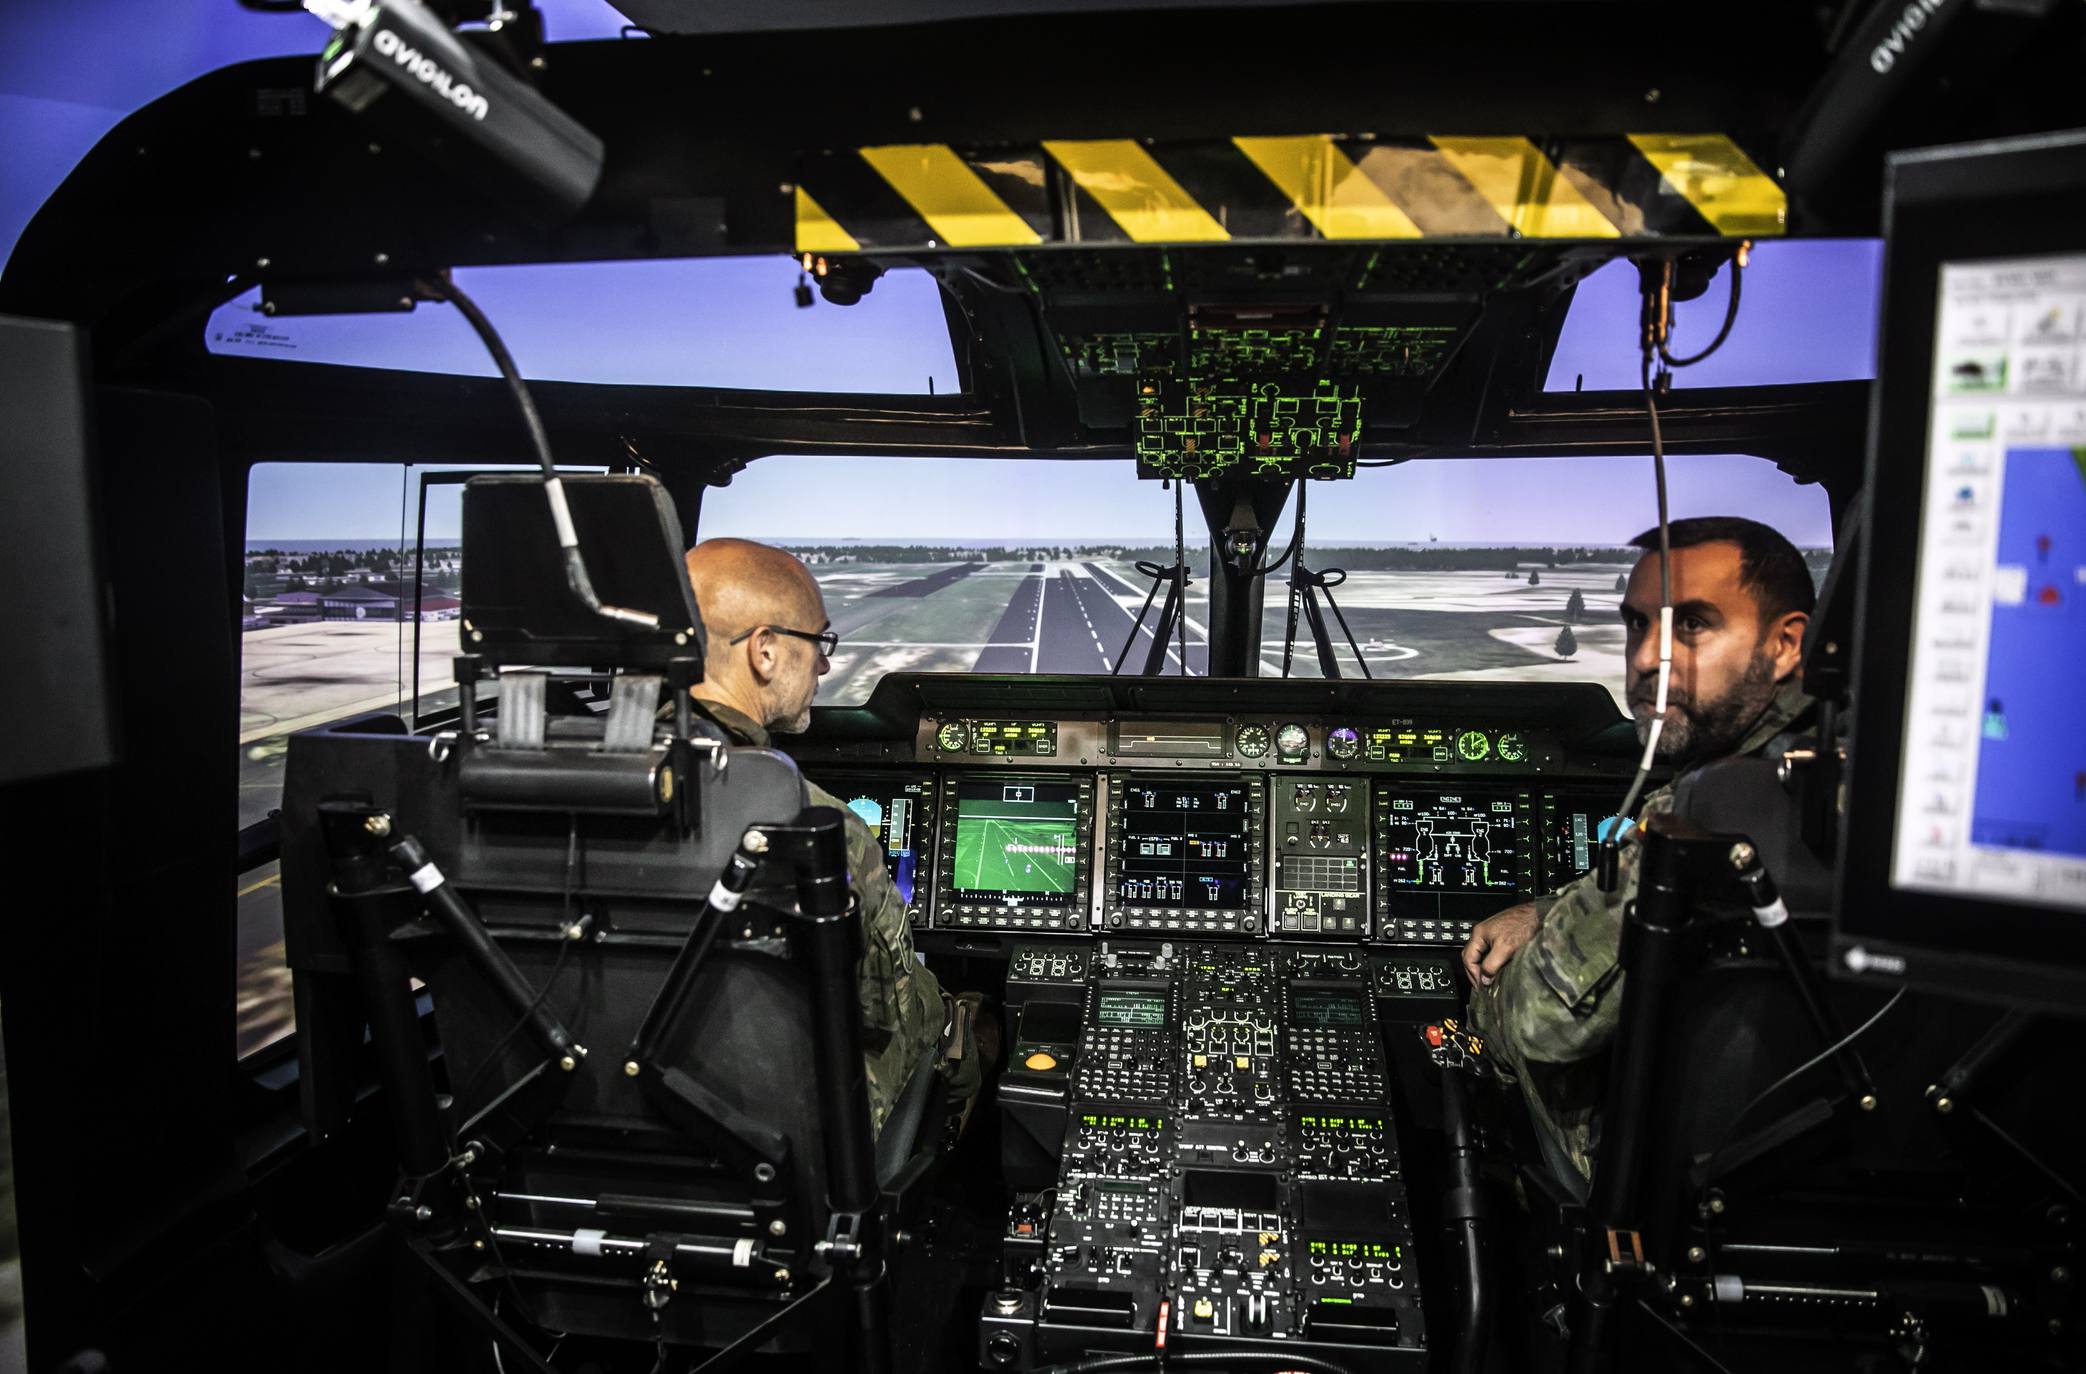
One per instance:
[(1253, 465)]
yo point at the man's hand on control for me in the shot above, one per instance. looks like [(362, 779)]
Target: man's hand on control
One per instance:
[(1496, 940)]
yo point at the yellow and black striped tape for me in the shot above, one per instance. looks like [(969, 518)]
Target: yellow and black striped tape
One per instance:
[(1101, 191)]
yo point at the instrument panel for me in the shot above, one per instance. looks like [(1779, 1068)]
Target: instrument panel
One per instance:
[(1400, 831), (1230, 1169)]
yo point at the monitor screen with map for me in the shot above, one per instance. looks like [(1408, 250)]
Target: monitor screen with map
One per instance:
[(1016, 838), (1964, 863), (1992, 782)]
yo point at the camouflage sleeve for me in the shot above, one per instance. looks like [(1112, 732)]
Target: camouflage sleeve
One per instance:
[(1557, 1001), (896, 986)]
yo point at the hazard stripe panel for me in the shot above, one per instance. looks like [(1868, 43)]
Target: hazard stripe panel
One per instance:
[(1137, 192), (1524, 188), (819, 232), (1328, 188), (951, 197), (1719, 180), (933, 196)]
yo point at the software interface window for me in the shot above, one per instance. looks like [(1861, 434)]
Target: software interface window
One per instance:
[(1992, 795)]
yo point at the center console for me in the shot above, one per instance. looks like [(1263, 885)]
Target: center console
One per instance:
[(1229, 1172)]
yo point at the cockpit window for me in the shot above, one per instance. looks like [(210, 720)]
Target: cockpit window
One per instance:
[(1807, 313), (717, 322), (350, 607), (1501, 569), (1509, 569), (1018, 566)]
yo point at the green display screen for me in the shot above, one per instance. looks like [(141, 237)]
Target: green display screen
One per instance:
[(1325, 1007), (1340, 1123), (1017, 839), (1131, 1009), (1128, 1121), (1365, 1250)]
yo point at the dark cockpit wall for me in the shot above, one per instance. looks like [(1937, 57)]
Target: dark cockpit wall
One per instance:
[(163, 1190)]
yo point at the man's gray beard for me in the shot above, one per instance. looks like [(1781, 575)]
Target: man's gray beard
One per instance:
[(1701, 732)]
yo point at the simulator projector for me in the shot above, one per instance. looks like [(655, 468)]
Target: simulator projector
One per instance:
[(396, 61)]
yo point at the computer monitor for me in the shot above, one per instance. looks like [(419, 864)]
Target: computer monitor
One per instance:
[(1964, 860)]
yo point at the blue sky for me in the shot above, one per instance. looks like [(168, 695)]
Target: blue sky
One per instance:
[(69, 69)]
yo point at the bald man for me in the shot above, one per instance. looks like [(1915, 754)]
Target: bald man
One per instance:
[(769, 644)]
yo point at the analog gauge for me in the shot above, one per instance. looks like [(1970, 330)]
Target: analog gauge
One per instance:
[(1343, 742), (1292, 742), (1252, 741), (1472, 746), (953, 737), (1511, 750)]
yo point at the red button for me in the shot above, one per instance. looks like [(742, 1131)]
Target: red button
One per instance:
[(1434, 1036)]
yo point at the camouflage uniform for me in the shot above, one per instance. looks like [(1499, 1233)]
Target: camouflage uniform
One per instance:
[(903, 1010), (1550, 1015)]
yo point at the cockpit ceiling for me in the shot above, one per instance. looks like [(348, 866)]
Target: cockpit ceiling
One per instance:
[(753, 16)]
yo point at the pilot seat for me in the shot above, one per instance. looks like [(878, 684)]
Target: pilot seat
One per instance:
[(635, 1114)]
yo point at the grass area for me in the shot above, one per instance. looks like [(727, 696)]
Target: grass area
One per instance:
[(999, 855)]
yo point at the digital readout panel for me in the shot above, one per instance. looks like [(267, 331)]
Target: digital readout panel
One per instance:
[(1372, 1251), (1037, 738), (1126, 1121), (1346, 1122), (1131, 1009), (1325, 1008), (1184, 844), (1016, 841), (1454, 842)]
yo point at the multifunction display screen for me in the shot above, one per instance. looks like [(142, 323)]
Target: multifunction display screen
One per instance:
[(1184, 844), (895, 810), (1323, 1008), (1131, 1009), (1017, 840), (1453, 842)]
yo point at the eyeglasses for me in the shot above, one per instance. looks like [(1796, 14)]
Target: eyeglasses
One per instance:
[(828, 641)]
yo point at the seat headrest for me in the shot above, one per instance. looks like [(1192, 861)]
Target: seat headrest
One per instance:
[(518, 606)]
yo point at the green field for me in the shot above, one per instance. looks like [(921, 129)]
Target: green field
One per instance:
[(1001, 853)]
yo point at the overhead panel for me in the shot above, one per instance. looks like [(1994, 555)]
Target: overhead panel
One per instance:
[(1287, 189)]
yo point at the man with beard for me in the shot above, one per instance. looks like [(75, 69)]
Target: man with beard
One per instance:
[(1546, 984), (769, 644)]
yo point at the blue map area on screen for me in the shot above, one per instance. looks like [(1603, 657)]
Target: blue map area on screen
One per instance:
[(2031, 763)]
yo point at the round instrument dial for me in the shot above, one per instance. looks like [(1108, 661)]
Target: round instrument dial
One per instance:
[(1472, 746), (1252, 741), (1343, 742), (1511, 749), (953, 736), (1292, 741)]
